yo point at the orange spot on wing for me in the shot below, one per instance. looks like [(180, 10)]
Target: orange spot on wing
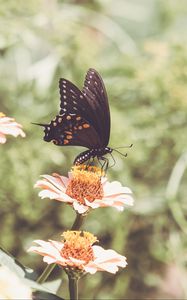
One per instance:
[(66, 142), (86, 125), (55, 142)]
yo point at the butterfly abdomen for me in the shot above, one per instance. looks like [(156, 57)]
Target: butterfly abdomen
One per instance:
[(91, 154)]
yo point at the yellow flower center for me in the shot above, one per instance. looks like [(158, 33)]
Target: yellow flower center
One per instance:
[(78, 244), (85, 183), (2, 115)]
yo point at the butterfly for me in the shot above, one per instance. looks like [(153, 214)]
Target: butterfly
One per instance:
[(83, 120)]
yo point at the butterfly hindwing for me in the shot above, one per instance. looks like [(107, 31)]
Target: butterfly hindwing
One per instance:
[(71, 130)]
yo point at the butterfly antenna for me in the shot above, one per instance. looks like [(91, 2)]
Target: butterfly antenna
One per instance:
[(129, 146), (120, 152), (40, 124)]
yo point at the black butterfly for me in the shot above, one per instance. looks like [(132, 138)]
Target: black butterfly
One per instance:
[(84, 118)]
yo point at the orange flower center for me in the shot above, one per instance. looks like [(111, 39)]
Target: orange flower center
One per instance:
[(85, 184), (78, 245), (2, 114)]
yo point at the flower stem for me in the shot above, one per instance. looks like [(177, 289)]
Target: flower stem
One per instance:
[(78, 222), (43, 277), (73, 288)]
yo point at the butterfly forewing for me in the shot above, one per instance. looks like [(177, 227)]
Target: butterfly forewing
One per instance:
[(95, 93), (72, 100)]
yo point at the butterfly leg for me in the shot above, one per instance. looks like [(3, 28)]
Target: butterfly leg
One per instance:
[(100, 162), (114, 162), (89, 162), (105, 164)]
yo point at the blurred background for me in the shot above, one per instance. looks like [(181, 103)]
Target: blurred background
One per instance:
[(140, 49)]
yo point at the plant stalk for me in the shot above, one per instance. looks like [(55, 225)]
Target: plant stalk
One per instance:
[(78, 222), (47, 271), (73, 288)]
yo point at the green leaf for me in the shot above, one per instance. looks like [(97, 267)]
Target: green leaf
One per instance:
[(6, 259)]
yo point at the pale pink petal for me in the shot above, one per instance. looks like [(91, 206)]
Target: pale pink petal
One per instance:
[(54, 196), (12, 129), (62, 179), (49, 260), (2, 138), (5, 120), (46, 185), (117, 201), (115, 187), (94, 204), (107, 260), (79, 207), (53, 188), (104, 180), (46, 249), (58, 245), (56, 181), (91, 268), (48, 194), (9, 126), (70, 175), (76, 261), (109, 255)]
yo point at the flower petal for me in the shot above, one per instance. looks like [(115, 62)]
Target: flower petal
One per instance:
[(46, 249), (53, 187), (106, 260), (2, 138), (79, 207), (115, 188), (9, 126)]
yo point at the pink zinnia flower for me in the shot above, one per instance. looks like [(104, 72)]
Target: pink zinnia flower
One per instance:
[(85, 188), (9, 126), (77, 253)]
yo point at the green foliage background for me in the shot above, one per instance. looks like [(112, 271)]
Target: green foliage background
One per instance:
[(140, 49)]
